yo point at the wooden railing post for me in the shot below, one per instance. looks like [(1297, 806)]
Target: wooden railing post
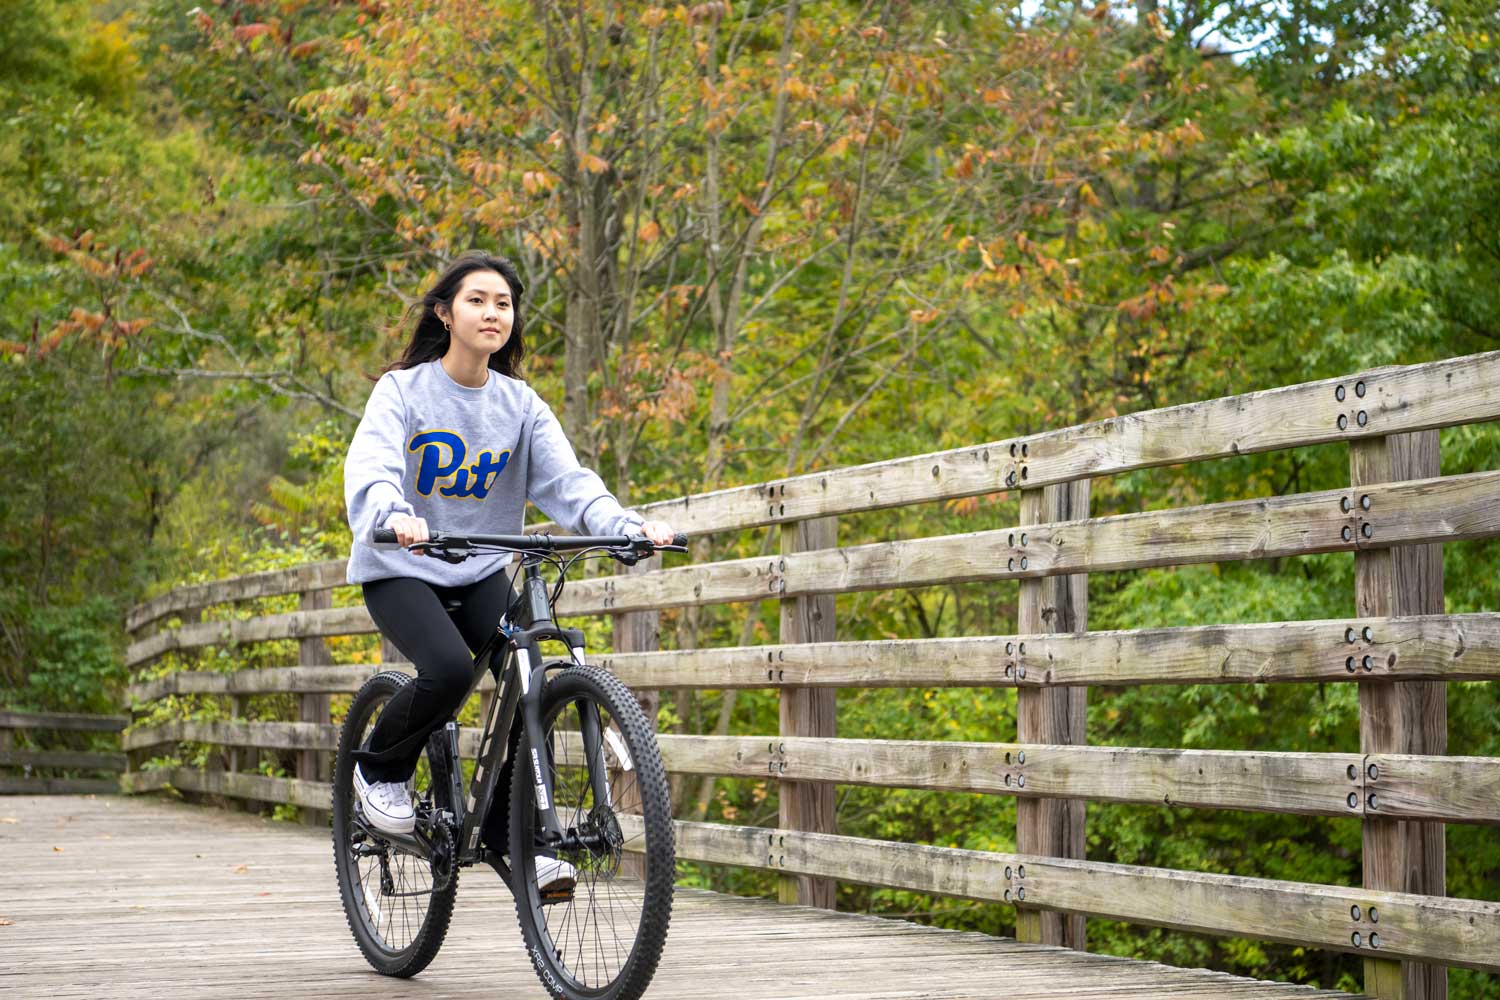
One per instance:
[(238, 705), (640, 632), (1400, 717), (313, 765), (808, 805), (1056, 715)]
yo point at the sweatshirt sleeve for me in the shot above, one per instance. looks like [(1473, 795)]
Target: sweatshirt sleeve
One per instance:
[(575, 497), (376, 464)]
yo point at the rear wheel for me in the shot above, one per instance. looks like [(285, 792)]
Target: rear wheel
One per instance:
[(604, 939), (396, 901)]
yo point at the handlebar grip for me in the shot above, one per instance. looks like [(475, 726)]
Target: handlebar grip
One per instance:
[(679, 539), (385, 536)]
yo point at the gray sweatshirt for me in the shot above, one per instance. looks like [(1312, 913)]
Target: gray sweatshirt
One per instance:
[(467, 460)]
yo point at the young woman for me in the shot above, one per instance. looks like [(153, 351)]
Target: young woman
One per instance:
[(451, 437)]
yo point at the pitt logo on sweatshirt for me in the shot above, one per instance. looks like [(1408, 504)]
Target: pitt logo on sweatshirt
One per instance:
[(440, 464)]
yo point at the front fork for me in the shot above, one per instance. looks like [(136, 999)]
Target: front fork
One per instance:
[(541, 752)]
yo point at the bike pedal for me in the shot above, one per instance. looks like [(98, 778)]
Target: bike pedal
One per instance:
[(551, 897)]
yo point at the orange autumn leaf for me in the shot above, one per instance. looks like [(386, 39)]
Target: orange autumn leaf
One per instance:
[(246, 32)]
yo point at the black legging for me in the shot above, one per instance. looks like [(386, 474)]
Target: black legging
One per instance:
[(410, 613)]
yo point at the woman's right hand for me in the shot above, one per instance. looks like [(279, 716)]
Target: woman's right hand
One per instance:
[(409, 530)]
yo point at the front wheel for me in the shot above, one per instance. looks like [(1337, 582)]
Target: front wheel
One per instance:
[(602, 941)]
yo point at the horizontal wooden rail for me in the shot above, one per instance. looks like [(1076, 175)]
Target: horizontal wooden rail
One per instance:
[(1397, 399), (258, 787), (1451, 508), (72, 721), (292, 625), (59, 786), (270, 583), (1456, 789), (1450, 931), (1435, 647), (1441, 647), (236, 733), (1394, 399), (78, 759), (1441, 509), (318, 679)]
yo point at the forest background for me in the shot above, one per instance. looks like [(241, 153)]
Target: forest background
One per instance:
[(759, 239)]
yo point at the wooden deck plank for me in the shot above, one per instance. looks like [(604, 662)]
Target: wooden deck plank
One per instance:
[(144, 898)]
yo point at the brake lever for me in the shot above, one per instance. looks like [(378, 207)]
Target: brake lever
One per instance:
[(446, 555)]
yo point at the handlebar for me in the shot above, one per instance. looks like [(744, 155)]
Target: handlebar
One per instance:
[(537, 542)]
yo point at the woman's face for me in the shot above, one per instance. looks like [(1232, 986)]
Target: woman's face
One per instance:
[(482, 313)]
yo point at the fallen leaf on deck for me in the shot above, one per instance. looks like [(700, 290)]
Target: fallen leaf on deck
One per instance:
[(57, 849), (242, 869), (6, 922), (8, 819)]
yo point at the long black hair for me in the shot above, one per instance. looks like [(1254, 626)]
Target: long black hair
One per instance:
[(429, 337)]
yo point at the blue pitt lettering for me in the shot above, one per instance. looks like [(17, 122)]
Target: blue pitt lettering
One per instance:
[(441, 457)]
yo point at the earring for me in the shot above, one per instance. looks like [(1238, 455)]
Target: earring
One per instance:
[(449, 327)]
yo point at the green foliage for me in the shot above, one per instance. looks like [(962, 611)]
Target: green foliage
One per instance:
[(75, 654)]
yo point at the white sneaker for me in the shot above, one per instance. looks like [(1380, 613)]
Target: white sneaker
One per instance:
[(387, 804), (555, 876)]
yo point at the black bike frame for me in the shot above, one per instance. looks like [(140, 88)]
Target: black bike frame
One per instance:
[(520, 682)]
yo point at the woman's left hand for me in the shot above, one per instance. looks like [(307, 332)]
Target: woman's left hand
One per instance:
[(660, 532)]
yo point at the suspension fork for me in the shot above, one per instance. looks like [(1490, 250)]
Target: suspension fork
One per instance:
[(532, 675), (535, 606), (592, 729), (539, 763)]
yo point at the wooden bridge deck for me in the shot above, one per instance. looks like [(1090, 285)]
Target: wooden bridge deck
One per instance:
[(116, 897)]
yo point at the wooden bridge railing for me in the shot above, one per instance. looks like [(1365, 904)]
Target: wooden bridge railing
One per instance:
[(49, 761), (1396, 644)]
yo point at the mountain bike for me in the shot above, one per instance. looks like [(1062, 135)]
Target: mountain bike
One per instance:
[(587, 786)]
